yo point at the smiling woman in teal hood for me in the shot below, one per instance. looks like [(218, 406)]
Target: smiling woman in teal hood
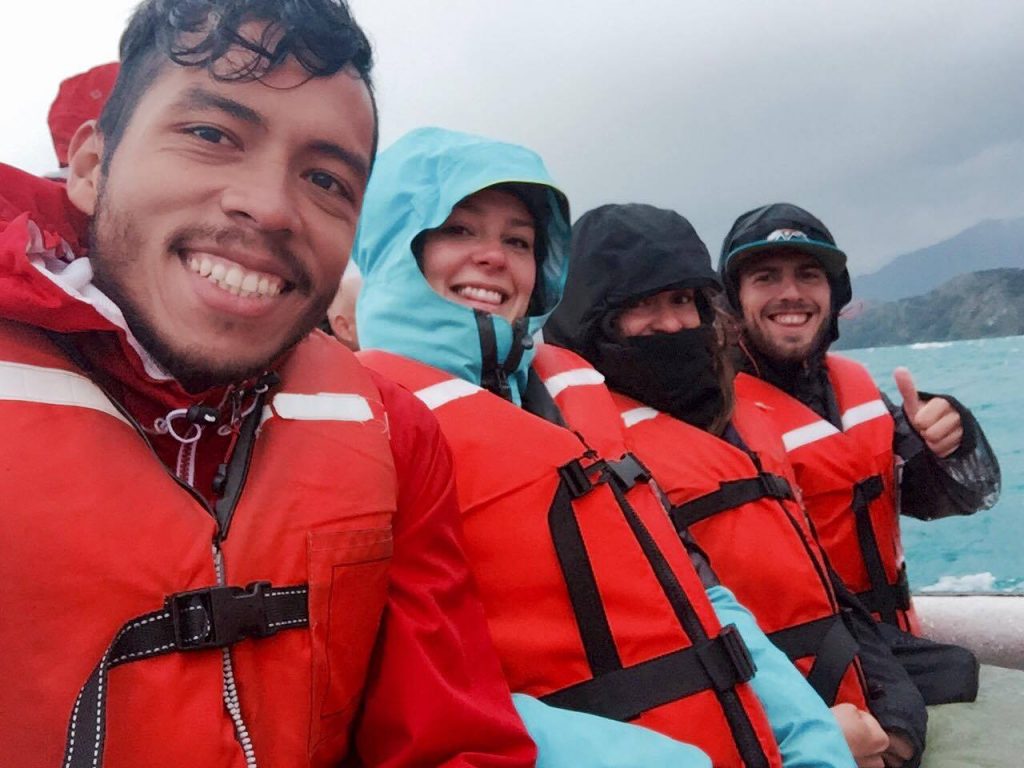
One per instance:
[(417, 183)]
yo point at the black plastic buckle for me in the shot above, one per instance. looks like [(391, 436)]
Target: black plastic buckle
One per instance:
[(576, 478), (776, 487), (628, 471), (216, 617), (727, 659)]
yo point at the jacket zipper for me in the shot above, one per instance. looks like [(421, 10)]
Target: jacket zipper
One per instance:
[(229, 689)]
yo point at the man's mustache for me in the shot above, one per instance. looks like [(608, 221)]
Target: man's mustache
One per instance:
[(236, 238)]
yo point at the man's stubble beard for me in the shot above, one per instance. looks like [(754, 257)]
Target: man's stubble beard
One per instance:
[(115, 241)]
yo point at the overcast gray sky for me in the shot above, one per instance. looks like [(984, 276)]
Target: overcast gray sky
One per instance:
[(897, 123)]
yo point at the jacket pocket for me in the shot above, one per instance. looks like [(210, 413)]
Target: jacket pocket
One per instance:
[(348, 589)]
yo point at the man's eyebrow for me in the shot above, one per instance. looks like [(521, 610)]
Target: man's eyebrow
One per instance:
[(198, 98), (355, 161), (523, 223)]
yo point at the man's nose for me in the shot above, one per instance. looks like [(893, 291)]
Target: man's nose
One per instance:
[(789, 288), (264, 199)]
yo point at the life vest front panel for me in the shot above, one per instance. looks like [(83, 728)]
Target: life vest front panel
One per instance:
[(837, 468), (507, 469), (98, 532), (764, 549)]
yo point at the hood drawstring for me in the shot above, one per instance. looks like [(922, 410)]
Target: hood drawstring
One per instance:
[(164, 425), (494, 376), (200, 417), (185, 467), (238, 413)]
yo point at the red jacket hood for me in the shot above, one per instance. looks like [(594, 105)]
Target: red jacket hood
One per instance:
[(46, 282)]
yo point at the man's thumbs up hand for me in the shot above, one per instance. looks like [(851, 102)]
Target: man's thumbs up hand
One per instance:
[(908, 391), (936, 421)]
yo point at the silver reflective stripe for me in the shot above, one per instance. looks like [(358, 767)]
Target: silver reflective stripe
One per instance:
[(53, 386), (575, 378), (325, 406), (437, 395), (635, 416), (864, 412), (809, 434)]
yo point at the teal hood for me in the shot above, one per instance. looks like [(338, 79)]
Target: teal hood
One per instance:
[(415, 185)]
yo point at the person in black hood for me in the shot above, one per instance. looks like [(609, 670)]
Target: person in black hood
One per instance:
[(639, 305), (786, 281), (627, 256)]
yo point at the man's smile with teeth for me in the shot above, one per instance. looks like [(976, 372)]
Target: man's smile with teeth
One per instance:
[(791, 318), (234, 278), (476, 293)]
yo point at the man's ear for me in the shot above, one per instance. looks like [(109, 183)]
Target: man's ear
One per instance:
[(85, 162)]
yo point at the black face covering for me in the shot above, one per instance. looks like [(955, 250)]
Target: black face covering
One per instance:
[(672, 372)]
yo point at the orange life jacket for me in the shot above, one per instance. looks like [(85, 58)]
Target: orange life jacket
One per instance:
[(591, 598), (847, 478), (738, 502), (103, 541)]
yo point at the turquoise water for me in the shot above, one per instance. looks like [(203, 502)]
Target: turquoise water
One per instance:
[(985, 551)]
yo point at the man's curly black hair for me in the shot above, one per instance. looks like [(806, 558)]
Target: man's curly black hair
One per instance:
[(320, 34)]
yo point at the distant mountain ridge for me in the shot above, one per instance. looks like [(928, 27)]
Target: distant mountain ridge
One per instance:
[(976, 305), (991, 244)]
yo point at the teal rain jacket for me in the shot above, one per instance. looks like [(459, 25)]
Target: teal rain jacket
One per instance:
[(415, 184)]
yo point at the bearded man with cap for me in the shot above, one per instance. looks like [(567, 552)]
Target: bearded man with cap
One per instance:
[(860, 459)]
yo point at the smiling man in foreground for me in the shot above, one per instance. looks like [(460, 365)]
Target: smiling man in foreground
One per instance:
[(225, 543), (860, 460)]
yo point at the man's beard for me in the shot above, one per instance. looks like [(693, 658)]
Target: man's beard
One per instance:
[(115, 241)]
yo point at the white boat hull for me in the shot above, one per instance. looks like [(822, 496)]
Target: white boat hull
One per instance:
[(991, 625)]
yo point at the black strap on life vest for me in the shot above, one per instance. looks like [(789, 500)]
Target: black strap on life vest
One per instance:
[(882, 598), (577, 480), (899, 594), (578, 573), (827, 639), (538, 401), (214, 617), (718, 664), (730, 495), (626, 693)]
